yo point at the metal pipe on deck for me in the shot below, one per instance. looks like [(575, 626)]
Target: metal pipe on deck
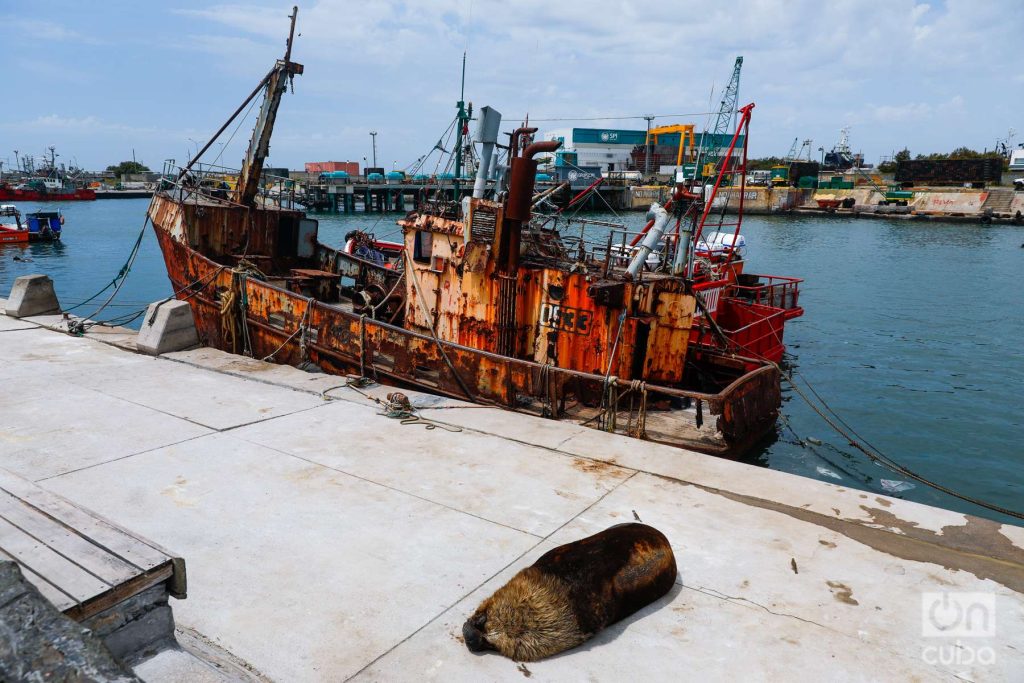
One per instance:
[(651, 239)]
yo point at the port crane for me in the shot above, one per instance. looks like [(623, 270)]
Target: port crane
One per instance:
[(685, 131), (798, 154), (711, 149)]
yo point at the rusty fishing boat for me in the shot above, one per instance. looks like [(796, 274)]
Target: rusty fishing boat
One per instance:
[(488, 301)]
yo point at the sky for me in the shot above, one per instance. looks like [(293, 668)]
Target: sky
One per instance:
[(101, 81)]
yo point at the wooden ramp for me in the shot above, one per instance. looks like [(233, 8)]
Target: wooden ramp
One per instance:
[(82, 563)]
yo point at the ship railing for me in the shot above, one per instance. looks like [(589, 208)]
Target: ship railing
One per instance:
[(772, 290), (616, 250), (739, 412), (211, 181)]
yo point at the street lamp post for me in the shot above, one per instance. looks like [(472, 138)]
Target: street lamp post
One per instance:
[(373, 137), (647, 142), (822, 150)]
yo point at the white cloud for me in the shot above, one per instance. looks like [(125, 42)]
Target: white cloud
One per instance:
[(901, 71), (45, 31), (915, 111)]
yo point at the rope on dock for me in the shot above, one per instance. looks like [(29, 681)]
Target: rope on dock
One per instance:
[(396, 406)]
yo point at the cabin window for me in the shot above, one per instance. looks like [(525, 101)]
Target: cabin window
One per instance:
[(422, 247)]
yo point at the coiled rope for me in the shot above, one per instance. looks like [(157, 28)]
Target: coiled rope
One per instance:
[(397, 405)]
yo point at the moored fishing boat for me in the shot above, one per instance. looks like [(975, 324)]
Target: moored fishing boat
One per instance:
[(38, 226), (484, 301), (50, 183)]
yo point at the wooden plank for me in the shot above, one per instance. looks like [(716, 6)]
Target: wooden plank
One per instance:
[(58, 570), (120, 593), (60, 600), (65, 541), (101, 532)]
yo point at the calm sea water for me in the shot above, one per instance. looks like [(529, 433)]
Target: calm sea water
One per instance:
[(912, 333)]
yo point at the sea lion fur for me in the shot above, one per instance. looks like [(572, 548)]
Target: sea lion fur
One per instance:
[(572, 592)]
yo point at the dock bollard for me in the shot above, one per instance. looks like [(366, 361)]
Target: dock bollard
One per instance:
[(167, 327), (32, 295)]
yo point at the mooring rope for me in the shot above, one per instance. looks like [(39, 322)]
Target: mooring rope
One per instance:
[(397, 405), (873, 453)]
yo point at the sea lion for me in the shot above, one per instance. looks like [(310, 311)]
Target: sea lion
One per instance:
[(572, 592)]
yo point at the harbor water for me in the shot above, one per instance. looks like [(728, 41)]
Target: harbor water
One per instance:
[(911, 335)]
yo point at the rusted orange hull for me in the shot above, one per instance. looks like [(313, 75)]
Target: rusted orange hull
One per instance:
[(239, 313)]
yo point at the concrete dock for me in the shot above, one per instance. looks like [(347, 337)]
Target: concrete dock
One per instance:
[(325, 541)]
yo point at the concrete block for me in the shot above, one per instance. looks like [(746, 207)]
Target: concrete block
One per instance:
[(168, 326), (32, 295)]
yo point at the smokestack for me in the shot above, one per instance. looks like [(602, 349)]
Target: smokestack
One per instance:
[(487, 136)]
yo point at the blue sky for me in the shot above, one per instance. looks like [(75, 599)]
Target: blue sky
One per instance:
[(100, 79)]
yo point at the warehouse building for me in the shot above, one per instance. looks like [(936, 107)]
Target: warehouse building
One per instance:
[(612, 149)]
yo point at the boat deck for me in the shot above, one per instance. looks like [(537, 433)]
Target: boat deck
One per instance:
[(326, 541)]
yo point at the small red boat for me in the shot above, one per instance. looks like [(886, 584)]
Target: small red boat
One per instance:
[(41, 226), (827, 201), (12, 233)]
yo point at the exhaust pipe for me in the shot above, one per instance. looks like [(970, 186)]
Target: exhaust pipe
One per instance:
[(654, 235)]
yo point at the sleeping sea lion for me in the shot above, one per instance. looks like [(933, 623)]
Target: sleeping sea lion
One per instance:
[(572, 592)]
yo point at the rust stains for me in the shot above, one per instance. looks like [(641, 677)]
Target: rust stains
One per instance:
[(841, 592), (977, 547)]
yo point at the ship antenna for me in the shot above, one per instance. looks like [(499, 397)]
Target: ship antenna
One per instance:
[(291, 34), (462, 117)]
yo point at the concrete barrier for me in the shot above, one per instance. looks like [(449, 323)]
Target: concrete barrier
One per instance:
[(952, 203), (1017, 204), (32, 295), (168, 326)]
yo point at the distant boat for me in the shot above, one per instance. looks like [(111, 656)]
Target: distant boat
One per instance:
[(49, 184), (45, 189), (40, 226)]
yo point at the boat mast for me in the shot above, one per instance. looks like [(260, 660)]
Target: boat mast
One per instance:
[(259, 145), (463, 117)]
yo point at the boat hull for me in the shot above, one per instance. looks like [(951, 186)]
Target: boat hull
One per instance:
[(293, 329), (13, 236), (14, 194)]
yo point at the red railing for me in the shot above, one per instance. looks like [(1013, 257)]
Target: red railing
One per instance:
[(775, 291), (752, 330)]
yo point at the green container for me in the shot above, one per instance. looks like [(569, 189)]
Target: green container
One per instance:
[(807, 181)]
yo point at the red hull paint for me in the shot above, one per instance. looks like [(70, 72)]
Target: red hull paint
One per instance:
[(12, 194), (13, 236)]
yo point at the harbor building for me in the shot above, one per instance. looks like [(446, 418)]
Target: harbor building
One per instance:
[(614, 149)]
